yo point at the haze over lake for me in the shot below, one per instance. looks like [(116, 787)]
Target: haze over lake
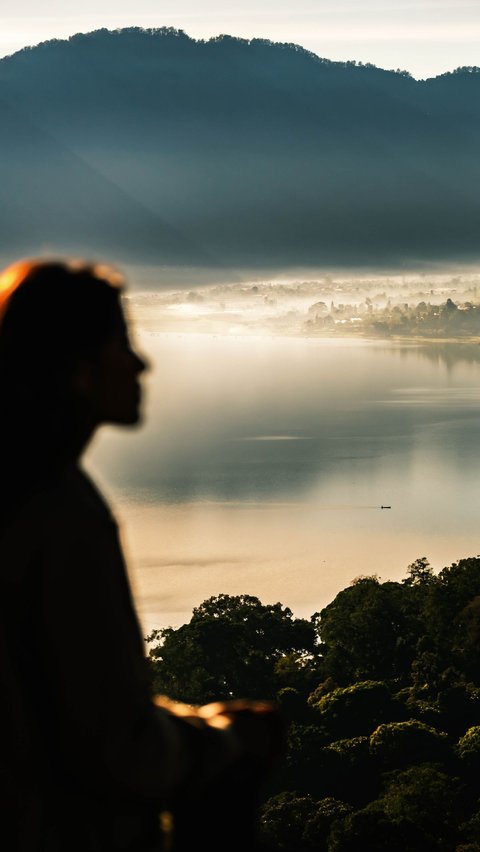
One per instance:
[(263, 464)]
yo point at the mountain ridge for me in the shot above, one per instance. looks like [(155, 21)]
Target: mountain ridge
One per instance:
[(235, 153), (180, 33)]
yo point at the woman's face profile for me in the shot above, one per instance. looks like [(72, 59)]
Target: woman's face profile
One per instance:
[(109, 385)]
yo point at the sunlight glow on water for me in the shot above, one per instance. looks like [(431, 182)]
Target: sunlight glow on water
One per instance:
[(263, 464)]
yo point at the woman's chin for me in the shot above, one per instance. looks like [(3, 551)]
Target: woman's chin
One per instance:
[(127, 417)]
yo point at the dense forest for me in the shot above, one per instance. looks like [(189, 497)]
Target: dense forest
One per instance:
[(381, 695)]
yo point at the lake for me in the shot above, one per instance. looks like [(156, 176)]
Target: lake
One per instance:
[(263, 464)]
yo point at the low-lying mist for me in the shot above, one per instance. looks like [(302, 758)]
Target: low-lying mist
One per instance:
[(438, 305)]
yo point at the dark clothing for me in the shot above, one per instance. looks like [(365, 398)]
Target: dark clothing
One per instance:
[(95, 759)]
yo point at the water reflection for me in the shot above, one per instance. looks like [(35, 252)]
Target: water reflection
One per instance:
[(448, 354), (308, 438)]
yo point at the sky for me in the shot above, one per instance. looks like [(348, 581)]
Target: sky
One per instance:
[(425, 37)]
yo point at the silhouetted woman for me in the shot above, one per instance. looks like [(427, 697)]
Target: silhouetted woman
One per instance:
[(88, 757)]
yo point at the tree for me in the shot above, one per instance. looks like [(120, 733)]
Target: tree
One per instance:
[(400, 744), (354, 774), (298, 669), (309, 766), (354, 710), (299, 823), (419, 573), (427, 797), (328, 811), (229, 649), (468, 637), (369, 631), (468, 749), (370, 828), (292, 705), (283, 819), (447, 619), (470, 831), (458, 702)]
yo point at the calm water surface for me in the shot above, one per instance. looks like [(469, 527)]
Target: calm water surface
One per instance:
[(263, 464)]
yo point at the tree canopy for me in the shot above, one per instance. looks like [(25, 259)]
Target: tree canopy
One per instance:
[(229, 649), (381, 695)]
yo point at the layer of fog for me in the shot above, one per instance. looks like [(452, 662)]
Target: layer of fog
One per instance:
[(331, 304)]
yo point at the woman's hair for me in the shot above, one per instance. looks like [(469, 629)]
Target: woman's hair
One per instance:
[(54, 315)]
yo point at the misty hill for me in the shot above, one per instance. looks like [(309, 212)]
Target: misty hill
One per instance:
[(151, 146)]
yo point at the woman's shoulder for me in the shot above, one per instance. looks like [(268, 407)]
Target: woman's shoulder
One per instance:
[(74, 488), (68, 496), (66, 508)]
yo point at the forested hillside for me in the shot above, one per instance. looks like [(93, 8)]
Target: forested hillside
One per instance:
[(381, 692), (149, 145)]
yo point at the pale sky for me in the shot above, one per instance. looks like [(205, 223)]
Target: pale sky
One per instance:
[(425, 37)]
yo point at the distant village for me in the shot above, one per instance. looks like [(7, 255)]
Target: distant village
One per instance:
[(436, 307), (424, 319)]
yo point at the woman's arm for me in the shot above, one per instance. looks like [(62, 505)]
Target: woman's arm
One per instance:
[(110, 734)]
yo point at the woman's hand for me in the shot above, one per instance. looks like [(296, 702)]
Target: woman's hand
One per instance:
[(257, 724)]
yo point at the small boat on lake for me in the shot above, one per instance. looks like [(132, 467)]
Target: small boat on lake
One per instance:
[(385, 507)]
